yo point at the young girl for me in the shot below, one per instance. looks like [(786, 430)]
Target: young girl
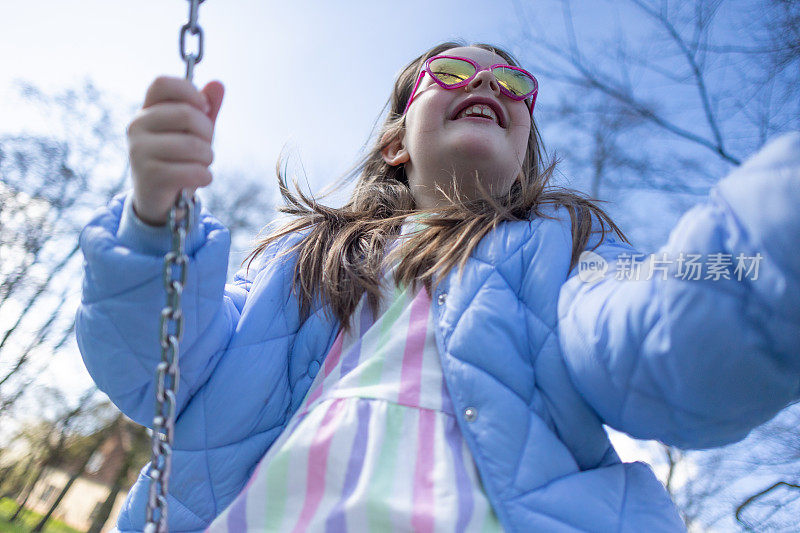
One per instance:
[(438, 354)]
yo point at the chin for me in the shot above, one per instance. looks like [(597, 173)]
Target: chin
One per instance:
[(479, 147)]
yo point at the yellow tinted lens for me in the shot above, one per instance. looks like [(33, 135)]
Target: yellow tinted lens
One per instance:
[(516, 82), (451, 71)]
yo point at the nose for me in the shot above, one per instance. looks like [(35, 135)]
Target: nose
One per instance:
[(484, 78)]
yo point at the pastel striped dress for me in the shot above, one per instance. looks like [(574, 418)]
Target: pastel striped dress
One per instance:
[(375, 445)]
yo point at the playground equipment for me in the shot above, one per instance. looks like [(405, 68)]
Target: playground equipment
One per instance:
[(171, 329)]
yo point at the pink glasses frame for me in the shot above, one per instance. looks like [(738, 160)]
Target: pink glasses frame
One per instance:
[(532, 95)]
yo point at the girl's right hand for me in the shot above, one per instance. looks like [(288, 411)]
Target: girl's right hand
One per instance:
[(169, 143)]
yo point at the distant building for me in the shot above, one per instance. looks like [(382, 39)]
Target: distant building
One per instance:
[(86, 496)]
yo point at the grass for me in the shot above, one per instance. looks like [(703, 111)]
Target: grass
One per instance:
[(29, 520)]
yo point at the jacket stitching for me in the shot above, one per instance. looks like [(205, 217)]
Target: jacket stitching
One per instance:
[(237, 443), (205, 452), (496, 379), (481, 285), (532, 412), (704, 420), (124, 290), (262, 341), (516, 291), (621, 515), (141, 364), (539, 511), (170, 494), (282, 417)]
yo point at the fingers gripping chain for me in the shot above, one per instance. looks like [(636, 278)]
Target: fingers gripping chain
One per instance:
[(171, 326)]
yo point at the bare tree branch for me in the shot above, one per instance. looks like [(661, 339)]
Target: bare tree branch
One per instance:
[(697, 72), (740, 509)]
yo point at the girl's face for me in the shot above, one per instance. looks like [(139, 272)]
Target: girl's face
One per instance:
[(440, 142)]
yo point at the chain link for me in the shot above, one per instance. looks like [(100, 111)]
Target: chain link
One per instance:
[(167, 371), (192, 27), (171, 325)]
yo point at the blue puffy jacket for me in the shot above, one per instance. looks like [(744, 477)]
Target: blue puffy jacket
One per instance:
[(545, 355)]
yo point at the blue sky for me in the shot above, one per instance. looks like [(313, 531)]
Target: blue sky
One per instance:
[(257, 49)]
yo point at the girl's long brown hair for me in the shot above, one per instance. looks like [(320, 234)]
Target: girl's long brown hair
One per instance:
[(342, 254)]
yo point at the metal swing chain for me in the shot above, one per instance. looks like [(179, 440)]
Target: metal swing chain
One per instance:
[(171, 328), (194, 28)]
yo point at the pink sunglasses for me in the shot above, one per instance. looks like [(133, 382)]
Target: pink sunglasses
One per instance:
[(452, 72)]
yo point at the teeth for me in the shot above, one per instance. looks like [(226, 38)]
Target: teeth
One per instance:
[(480, 110)]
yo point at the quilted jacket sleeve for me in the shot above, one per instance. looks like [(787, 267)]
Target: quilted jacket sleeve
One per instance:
[(117, 323), (696, 359)]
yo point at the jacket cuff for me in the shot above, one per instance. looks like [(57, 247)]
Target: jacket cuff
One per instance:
[(138, 236), (763, 195)]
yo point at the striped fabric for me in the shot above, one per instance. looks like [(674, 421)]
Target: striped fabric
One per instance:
[(375, 445)]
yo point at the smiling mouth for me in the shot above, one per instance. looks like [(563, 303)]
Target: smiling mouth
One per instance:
[(480, 111)]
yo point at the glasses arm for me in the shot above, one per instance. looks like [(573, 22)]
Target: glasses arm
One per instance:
[(414, 90)]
